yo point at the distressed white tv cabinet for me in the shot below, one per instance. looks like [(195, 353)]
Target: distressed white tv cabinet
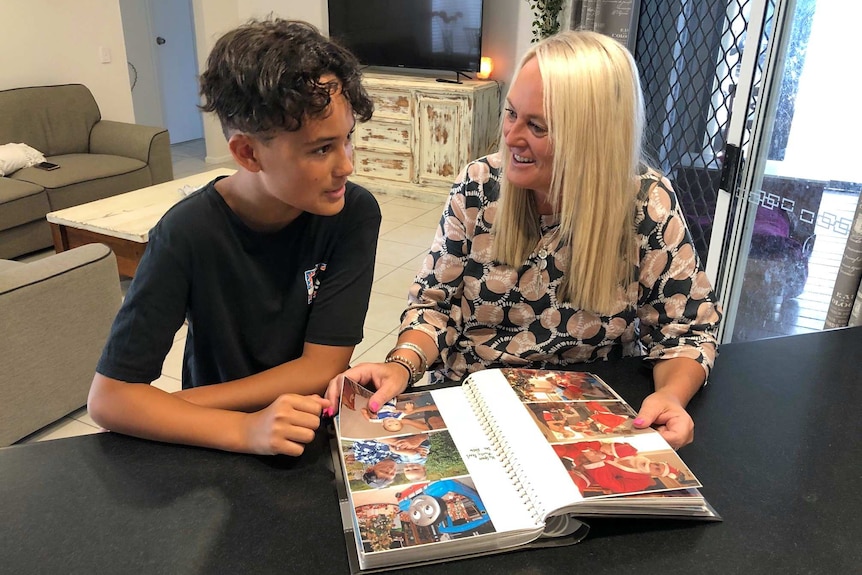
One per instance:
[(423, 133)]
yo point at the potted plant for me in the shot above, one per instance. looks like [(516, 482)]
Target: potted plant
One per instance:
[(545, 17)]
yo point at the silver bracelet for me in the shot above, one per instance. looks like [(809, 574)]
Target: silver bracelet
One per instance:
[(423, 361)]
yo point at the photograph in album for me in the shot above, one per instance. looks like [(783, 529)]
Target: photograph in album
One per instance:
[(395, 417), (556, 386), (419, 457), (423, 514)]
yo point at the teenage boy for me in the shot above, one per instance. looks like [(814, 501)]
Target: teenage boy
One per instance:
[(271, 267)]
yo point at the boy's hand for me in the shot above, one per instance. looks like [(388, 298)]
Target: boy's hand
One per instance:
[(285, 426)]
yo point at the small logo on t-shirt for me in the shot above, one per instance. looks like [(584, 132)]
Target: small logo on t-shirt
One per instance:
[(312, 281)]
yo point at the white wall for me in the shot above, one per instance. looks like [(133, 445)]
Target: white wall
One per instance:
[(506, 35), (48, 42), (212, 18), (312, 11)]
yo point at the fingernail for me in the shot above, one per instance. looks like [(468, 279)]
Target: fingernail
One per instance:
[(638, 421), (373, 405), (327, 412)]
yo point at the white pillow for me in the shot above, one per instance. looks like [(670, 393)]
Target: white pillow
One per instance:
[(13, 157)]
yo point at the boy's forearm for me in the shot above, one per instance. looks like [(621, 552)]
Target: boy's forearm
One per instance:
[(150, 413), (305, 375), (252, 393)]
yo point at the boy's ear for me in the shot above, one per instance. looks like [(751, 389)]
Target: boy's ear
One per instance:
[(243, 148)]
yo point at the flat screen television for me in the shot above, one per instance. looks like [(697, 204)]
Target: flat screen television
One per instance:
[(430, 34)]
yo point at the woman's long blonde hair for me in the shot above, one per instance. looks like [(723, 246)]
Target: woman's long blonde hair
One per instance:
[(593, 107)]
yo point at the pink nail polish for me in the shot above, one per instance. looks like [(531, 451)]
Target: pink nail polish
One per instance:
[(638, 421), (374, 406)]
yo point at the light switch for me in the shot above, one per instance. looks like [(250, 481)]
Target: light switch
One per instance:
[(104, 55)]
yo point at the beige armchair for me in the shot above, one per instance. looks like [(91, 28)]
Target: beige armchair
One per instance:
[(55, 315)]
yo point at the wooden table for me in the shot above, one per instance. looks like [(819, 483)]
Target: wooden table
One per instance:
[(122, 222)]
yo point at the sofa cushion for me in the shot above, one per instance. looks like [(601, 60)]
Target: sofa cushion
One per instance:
[(21, 202), (6, 265), (77, 168), (86, 177), (53, 119)]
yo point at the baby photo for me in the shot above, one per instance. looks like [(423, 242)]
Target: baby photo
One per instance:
[(405, 414)]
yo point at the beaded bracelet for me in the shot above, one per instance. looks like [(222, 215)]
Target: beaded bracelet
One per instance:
[(407, 364), (402, 364)]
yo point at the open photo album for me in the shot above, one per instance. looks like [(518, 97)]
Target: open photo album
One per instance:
[(512, 457)]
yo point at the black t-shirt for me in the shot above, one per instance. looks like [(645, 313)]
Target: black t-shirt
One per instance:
[(251, 299)]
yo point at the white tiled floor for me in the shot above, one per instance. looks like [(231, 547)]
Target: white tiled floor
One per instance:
[(405, 234)]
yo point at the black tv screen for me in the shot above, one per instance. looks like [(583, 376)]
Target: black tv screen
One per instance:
[(433, 34)]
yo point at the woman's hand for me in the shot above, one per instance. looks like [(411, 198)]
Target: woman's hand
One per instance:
[(389, 380), (664, 411), (676, 381)]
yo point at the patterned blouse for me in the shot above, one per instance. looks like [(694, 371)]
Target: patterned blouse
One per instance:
[(483, 314)]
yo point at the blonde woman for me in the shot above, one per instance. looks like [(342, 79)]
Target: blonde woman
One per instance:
[(563, 247)]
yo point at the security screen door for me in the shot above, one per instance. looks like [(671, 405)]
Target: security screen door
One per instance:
[(758, 138)]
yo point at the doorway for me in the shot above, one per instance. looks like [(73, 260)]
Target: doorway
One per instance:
[(751, 117), (799, 184), (163, 70)]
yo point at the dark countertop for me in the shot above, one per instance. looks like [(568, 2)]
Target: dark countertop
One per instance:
[(777, 448)]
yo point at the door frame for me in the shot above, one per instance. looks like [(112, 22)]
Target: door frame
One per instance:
[(742, 173)]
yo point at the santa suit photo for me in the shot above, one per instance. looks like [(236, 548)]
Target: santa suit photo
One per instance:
[(604, 418), (629, 474), (572, 456)]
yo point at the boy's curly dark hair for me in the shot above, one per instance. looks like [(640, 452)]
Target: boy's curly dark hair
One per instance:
[(264, 76)]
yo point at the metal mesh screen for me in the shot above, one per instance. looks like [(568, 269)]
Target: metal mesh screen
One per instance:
[(689, 53)]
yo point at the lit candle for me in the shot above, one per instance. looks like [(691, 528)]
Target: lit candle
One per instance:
[(486, 66)]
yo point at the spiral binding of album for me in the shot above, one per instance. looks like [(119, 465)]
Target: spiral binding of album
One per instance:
[(556, 524), (503, 448)]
